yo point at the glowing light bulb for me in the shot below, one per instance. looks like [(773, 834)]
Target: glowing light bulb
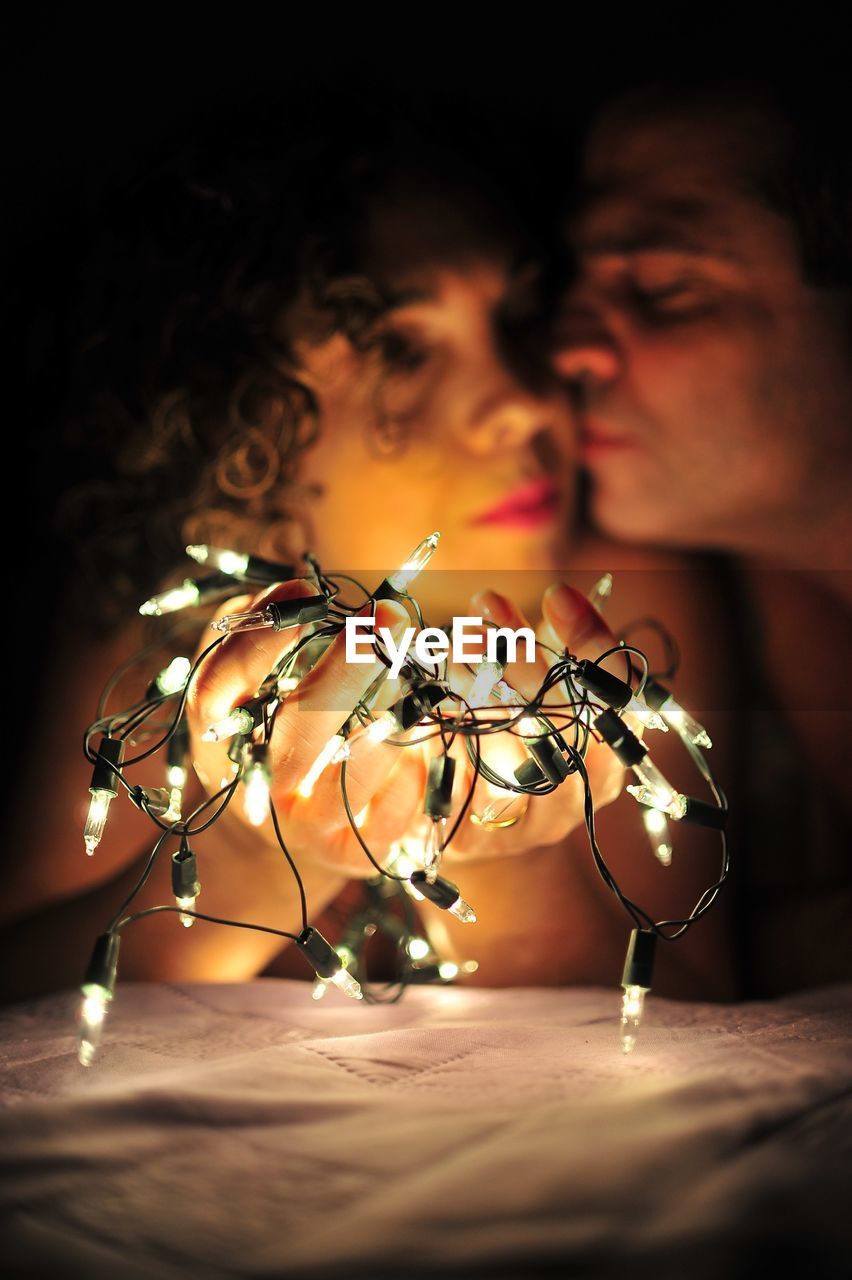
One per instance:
[(488, 675), (656, 791), (234, 563), (321, 985), (444, 894), (257, 620), (347, 984), (434, 849), (632, 1008), (240, 720), (103, 789), (382, 728), (328, 964), (412, 708), (650, 719), (97, 989), (636, 981), (661, 699), (657, 825), (335, 750), (173, 677), (399, 860), (258, 780), (463, 911), (182, 597), (601, 592), (175, 809), (448, 970), (186, 904), (416, 563), (684, 724), (92, 1015), (96, 819), (418, 948), (176, 776)]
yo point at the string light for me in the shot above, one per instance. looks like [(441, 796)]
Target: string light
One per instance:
[(653, 788), (242, 720), (191, 592), (335, 750), (185, 886), (401, 579), (276, 616), (172, 679), (176, 770), (657, 825), (257, 780), (615, 693), (237, 564), (98, 988), (103, 789), (444, 894), (406, 712), (636, 982), (659, 698), (325, 961), (553, 744), (321, 985)]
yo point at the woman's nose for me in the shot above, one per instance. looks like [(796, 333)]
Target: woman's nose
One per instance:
[(507, 417), (583, 353)]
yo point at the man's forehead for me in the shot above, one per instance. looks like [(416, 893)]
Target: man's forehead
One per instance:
[(676, 179), (632, 216)]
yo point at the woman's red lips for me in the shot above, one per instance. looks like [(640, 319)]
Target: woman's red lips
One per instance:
[(532, 504)]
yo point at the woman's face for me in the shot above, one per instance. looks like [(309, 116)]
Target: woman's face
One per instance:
[(479, 456)]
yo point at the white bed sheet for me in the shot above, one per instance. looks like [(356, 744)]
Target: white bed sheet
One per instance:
[(246, 1130)]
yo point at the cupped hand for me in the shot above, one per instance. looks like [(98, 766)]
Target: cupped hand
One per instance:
[(385, 785), (569, 622)]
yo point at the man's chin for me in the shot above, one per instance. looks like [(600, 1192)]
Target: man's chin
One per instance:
[(637, 518)]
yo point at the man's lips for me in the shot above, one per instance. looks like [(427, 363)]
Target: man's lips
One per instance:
[(531, 504), (597, 440)]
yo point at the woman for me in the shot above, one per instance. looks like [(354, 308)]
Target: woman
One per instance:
[(345, 368)]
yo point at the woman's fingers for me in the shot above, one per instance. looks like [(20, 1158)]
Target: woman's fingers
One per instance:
[(313, 714), (520, 674), (238, 666), (573, 623), (306, 720)]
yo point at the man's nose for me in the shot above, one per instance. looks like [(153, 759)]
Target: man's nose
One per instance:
[(583, 352)]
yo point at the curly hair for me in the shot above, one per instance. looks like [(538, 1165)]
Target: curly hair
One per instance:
[(186, 416)]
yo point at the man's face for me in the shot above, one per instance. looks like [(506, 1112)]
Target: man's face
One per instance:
[(713, 382)]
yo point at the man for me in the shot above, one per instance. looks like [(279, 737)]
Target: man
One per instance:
[(708, 340)]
